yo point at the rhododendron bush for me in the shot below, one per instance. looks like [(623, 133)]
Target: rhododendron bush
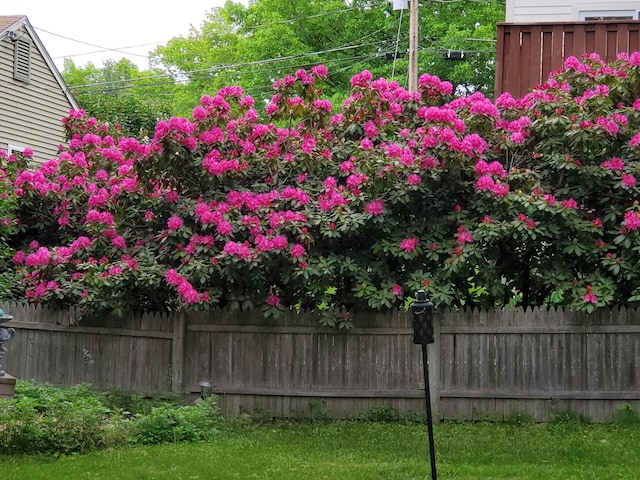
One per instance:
[(528, 201)]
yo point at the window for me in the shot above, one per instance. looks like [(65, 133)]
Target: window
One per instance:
[(593, 15), (14, 148), (22, 60)]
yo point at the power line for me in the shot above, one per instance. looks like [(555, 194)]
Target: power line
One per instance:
[(90, 44), (213, 69), (291, 20), (88, 89), (107, 50)]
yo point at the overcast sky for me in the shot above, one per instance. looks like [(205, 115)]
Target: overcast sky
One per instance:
[(66, 27)]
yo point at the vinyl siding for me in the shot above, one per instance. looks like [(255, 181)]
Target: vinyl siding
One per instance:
[(31, 113), (531, 11)]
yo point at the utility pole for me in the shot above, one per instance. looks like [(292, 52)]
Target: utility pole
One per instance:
[(413, 46)]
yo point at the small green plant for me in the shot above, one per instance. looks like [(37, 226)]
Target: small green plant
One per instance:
[(46, 419), (519, 419), (626, 415), (383, 413), (567, 421), (178, 423), (134, 403)]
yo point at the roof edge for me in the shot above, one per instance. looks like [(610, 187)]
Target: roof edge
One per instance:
[(22, 21)]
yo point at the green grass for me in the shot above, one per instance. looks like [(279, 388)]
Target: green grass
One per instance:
[(359, 451)]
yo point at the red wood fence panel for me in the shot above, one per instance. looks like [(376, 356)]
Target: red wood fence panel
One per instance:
[(527, 53)]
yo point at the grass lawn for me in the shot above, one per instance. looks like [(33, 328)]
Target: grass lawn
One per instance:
[(359, 451)]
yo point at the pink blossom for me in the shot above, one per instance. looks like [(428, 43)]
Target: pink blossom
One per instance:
[(632, 220), (297, 251), (361, 79), (319, 71), (628, 180), (224, 228), (115, 270), (199, 113), (188, 293), (366, 144), (19, 257), (396, 290), (172, 277), (237, 250), (41, 257), (337, 119), (409, 244), (375, 208), (465, 237), (273, 300), (613, 164), (94, 216), (118, 242), (590, 297), (174, 223), (414, 179)]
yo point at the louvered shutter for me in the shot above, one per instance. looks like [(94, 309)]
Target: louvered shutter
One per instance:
[(22, 60)]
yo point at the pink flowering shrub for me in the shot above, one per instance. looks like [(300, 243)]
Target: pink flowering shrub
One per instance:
[(329, 208)]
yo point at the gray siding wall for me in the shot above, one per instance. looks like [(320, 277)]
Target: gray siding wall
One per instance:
[(31, 113), (531, 11)]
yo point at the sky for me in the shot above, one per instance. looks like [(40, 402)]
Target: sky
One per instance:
[(132, 27)]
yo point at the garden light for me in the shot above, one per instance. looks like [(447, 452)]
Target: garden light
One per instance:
[(422, 315), (206, 389)]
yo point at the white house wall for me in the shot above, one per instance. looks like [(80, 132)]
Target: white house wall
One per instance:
[(532, 11)]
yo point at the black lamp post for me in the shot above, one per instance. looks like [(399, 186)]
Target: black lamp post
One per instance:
[(422, 313)]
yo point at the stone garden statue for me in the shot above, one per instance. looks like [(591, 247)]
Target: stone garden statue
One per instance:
[(6, 334)]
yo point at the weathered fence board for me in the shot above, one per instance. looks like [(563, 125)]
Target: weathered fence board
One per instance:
[(484, 363)]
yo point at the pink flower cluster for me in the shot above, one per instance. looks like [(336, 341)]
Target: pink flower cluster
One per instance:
[(189, 294)]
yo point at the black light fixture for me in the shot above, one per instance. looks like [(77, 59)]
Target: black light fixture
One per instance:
[(422, 315), (206, 389), (454, 55)]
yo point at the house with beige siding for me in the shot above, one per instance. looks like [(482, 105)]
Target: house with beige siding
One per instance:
[(529, 11), (33, 96)]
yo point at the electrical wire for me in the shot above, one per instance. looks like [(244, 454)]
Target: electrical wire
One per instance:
[(395, 54), (88, 88), (213, 69), (291, 20), (106, 49)]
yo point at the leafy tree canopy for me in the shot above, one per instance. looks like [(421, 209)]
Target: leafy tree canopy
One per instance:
[(253, 45), (121, 94)]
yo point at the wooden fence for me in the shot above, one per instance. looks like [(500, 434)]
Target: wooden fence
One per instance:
[(527, 53), (484, 364)]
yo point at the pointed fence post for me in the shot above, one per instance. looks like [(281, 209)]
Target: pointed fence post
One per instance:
[(177, 352)]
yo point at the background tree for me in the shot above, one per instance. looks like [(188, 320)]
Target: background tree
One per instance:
[(121, 94), (251, 46)]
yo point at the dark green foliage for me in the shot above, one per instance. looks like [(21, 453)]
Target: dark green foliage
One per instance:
[(175, 423), (47, 419), (384, 413), (626, 415)]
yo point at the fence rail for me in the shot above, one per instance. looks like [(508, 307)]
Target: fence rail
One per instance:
[(527, 53), (483, 364)]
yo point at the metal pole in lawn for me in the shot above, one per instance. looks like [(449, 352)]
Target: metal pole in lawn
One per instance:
[(422, 313)]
